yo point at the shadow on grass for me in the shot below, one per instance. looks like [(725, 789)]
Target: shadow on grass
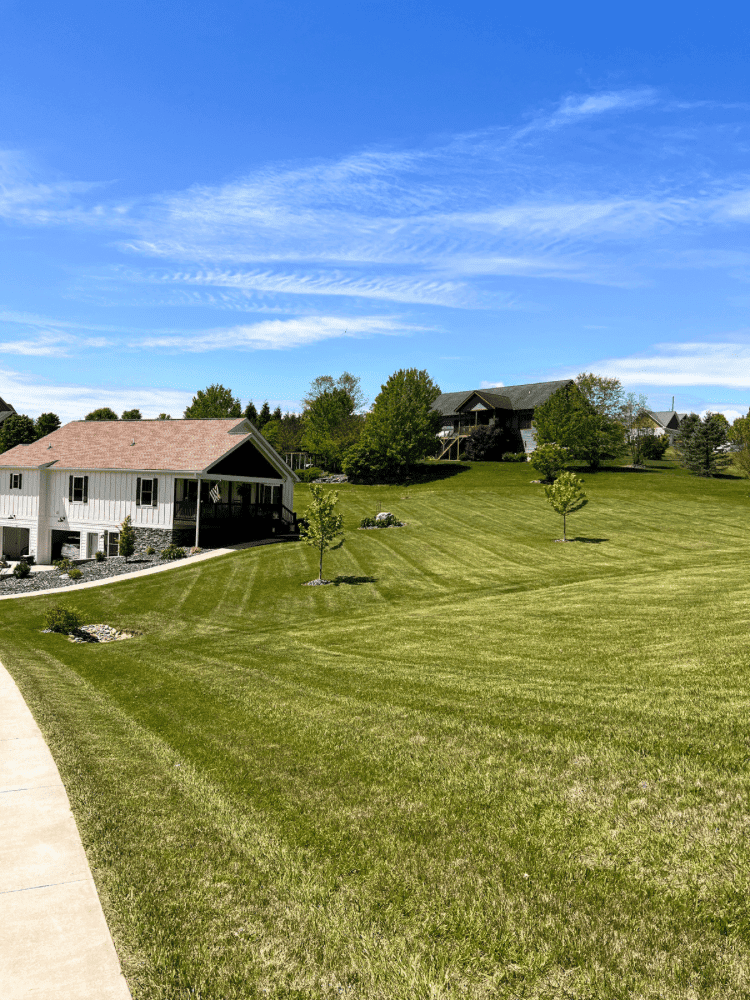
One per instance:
[(430, 472), (591, 541), (352, 580)]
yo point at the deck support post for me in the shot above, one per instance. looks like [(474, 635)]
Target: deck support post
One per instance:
[(198, 515)]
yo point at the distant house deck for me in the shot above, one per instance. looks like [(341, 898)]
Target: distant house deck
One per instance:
[(508, 406)]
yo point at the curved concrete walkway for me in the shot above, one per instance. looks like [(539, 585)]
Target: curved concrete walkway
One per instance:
[(54, 940), (176, 564)]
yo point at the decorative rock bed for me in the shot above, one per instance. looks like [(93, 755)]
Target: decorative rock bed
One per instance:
[(97, 633), (52, 578)]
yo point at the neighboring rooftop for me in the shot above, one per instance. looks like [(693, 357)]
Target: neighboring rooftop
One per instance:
[(154, 445), (6, 410), (502, 397)]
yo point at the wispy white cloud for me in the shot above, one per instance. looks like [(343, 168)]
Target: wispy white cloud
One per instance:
[(275, 335), (31, 395), (682, 364)]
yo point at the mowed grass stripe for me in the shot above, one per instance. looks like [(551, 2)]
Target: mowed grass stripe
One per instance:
[(522, 783)]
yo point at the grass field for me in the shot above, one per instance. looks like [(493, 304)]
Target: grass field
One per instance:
[(481, 765)]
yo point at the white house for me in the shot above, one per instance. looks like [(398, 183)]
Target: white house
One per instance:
[(190, 482)]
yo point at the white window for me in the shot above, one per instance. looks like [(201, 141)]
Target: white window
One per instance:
[(113, 543), (146, 492), (16, 479), (78, 489)]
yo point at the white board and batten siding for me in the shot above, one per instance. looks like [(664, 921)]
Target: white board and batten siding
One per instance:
[(111, 498), (21, 504)]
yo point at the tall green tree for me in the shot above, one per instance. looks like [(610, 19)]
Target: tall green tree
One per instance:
[(399, 431), (570, 419), (103, 413), (330, 419), (132, 415), (566, 496), (637, 424), (250, 413), (606, 395), (214, 402), (285, 434), (322, 525), (45, 423), (701, 445), (16, 429), (739, 436)]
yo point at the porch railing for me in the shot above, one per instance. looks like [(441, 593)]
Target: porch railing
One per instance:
[(185, 510)]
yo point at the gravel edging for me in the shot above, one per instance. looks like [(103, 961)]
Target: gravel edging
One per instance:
[(92, 572)]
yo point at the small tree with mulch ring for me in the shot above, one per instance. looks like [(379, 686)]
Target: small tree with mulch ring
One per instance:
[(322, 525), (566, 496)]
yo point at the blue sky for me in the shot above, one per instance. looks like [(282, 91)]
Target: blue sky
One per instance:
[(260, 193)]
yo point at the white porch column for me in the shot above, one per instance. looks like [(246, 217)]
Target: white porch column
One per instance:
[(198, 515)]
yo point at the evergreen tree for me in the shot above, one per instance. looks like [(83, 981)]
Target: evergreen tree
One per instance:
[(103, 413), (702, 444), (399, 432), (16, 429), (264, 416), (214, 402), (132, 415), (251, 413), (46, 423), (321, 523), (276, 415), (126, 545), (566, 496)]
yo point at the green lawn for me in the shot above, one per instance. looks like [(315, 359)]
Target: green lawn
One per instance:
[(481, 765)]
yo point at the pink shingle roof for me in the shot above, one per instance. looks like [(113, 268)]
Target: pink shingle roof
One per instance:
[(171, 445)]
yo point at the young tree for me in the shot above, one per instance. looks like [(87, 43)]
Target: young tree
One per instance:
[(45, 423), (132, 415), (739, 436), (400, 431), (103, 413), (216, 402), (126, 545), (637, 424), (549, 460), (16, 429), (569, 419), (251, 413), (323, 523), (566, 496), (702, 444)]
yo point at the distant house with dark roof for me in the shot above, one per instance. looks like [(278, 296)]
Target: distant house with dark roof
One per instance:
[(665, 422), (180, 481), (6, 410), (509, 406)]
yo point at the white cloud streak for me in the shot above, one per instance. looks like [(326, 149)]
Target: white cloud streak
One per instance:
[(726, 364)]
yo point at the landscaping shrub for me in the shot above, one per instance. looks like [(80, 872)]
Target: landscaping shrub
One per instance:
[(75, 573), (514, 456), (308, 475), (20, 570), (150, 550), (383, 522), (64, 565), (61, 618), (99, 556), (485, 444), (653, 447), (173, 552), (367, 522)]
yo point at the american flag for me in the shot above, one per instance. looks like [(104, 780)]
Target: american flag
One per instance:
[(214, 493)]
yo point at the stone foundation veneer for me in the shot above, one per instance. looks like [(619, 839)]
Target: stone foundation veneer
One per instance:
[(157, 538)]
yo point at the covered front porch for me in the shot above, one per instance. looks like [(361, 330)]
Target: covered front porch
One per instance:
[(217, 512)]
